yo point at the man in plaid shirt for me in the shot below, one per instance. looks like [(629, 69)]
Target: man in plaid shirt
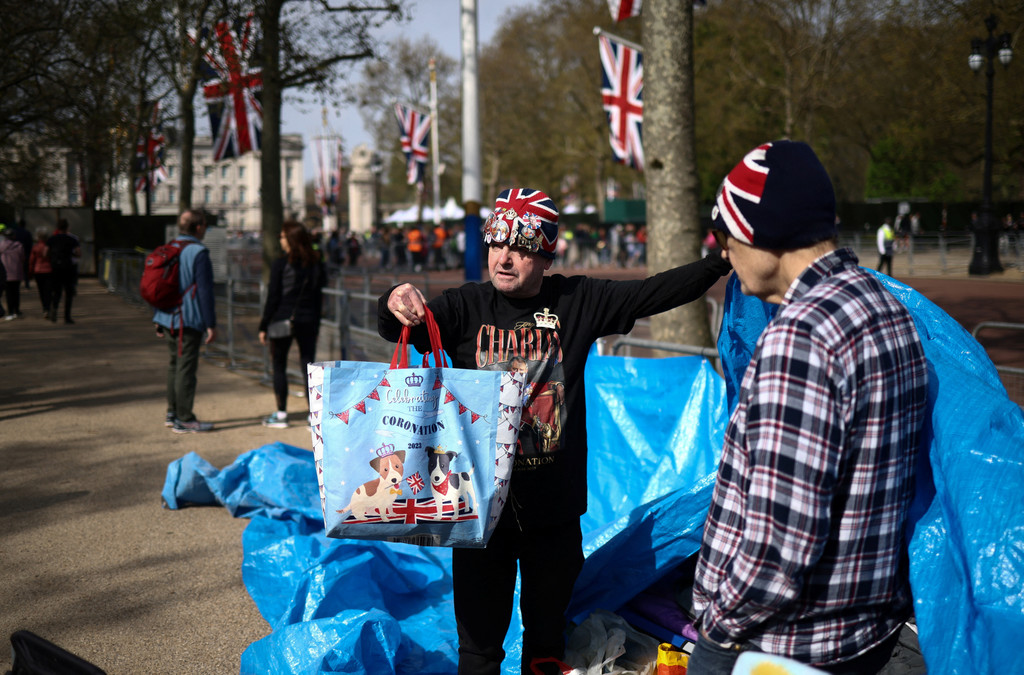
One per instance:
[(804, 550)]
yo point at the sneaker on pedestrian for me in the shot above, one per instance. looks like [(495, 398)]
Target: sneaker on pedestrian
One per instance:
[(169, 420), (53, 315), (10, 317), (193, 427), (68, 319), (278, 420)]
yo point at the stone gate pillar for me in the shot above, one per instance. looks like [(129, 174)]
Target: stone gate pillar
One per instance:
[(362, 191)]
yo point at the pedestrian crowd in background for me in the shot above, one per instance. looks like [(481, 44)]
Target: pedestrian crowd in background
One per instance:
[(428, 247), (52, 262)]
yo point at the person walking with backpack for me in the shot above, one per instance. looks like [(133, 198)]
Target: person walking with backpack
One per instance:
[(190, 324), (292, 310), (64, 249)]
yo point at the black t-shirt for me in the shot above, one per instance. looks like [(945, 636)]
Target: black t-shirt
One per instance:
[(549, 336), (62, 250)]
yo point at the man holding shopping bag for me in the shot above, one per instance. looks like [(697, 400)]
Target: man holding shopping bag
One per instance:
[(543, 326)]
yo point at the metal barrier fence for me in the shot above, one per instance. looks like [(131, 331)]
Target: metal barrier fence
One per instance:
[(935, 254), (349, 324)]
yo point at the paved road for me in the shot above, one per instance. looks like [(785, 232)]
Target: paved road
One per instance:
[(88, 557)]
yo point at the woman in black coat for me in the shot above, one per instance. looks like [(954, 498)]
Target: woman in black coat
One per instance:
[(295, 293)]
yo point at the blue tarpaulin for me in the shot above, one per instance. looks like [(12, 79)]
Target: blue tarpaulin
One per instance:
[(343, 606), (655, 429)]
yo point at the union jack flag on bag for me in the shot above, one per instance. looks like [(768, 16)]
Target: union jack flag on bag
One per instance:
[(232, 89), (414, 127), (623, 9), (149, 152), (622, 89)]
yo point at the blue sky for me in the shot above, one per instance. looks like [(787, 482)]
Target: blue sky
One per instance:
[(437, 18)]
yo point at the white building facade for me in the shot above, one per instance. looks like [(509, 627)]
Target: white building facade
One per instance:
[(230, 188)]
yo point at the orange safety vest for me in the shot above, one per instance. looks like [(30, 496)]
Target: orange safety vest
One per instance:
[(414, 241)]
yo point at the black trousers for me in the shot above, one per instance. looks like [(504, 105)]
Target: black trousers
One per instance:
[(13, 292), (549, 559), (885, 260), (63, 281), (44, 283), (710, 659), (305, 336)]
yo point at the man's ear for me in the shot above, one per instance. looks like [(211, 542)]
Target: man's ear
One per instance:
[(547, 264)]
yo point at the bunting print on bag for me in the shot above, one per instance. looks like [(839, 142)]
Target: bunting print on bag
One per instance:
[(623, 9), (232, 89), (149, 151), (414, 127), (622, 88)]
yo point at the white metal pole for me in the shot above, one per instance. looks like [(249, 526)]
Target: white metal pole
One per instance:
[(433, 136), (471, 184)]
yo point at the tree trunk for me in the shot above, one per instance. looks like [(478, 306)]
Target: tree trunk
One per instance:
[(272, 204), (673, 221)]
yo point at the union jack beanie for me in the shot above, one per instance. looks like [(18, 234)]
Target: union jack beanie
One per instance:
[(526, 219), (779, 197)]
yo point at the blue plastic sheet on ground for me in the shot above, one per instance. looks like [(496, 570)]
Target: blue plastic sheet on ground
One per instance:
[(967, 544), (338, 606), (655, 430)]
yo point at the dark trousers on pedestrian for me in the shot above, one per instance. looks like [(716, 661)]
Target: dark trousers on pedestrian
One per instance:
[(305, 336), (711, 659), (44, 284), (885, 260), (549, 558), (64, 281), (13, 293), (181, 372)]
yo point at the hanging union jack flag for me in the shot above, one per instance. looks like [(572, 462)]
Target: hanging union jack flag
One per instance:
[(232, 90), (415, 129), (623, 9), (328, 171), (622, 89), (149, 151)]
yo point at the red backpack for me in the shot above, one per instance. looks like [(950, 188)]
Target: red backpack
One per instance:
[(160, 285)]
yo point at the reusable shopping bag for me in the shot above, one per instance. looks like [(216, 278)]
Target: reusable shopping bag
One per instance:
[(414, 455)]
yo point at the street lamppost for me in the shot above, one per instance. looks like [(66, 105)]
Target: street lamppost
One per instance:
[(986, 235)]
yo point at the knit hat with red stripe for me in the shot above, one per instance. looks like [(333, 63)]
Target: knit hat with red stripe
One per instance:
[(779, 197), (526, 219)]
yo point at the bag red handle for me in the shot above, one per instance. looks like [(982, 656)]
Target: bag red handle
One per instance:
[(400, 359)]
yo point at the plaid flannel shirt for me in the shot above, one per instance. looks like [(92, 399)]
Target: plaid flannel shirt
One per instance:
[(804, 551)]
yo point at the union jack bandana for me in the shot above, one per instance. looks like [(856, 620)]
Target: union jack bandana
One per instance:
[(778, 197), (526, 219)]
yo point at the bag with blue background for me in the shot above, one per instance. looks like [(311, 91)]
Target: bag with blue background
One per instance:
[(413, 455)]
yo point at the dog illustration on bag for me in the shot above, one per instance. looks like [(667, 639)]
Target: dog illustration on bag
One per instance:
[(379, 495), (447, 486)]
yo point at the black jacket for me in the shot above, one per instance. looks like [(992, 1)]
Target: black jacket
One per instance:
[(294, 292)]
